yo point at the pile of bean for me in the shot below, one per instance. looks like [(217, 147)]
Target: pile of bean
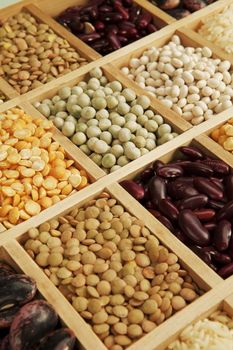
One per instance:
[(31, 53), (181, 8), (212, 333), (112, 269), (186, 79), (193, 196), (108, 25), (224, 135), (34, 170), (27, 324), (218, 29), (108, 122), (2, 97)]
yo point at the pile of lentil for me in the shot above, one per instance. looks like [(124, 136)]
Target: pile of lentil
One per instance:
[(35, 172), (224, 135), (112, 269), (213, 333), (108, 122), (219, 29), (32, 54), (186, 79)]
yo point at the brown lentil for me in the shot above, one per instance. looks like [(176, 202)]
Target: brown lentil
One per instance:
[(122, 292)]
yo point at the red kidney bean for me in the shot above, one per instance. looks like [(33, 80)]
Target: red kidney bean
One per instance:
[(114, 41), (146, 174), (132, 21), (157, 189), (210, 226), (166, 222), (226, 212), (149, 205), (168, 171), (205, 255), (229, 186), (157, 164), (134, 189), (89, 37), (197, 168), (194, 202), (222, 258), (207, 187), (168, 208), (192, 227), (204, 214), (180, 190), (217, 165), (181, 236), (191, 152), (222, 235), (218, 183), (155, 213), (215, 205), (226, 270)]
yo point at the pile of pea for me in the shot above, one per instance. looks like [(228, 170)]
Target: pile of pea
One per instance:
[(108, 122)]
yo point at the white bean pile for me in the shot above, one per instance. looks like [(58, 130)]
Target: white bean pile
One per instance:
[(218, 29), (108, 122), (186, 79)]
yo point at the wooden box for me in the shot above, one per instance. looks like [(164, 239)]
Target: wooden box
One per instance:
[(218, 292)]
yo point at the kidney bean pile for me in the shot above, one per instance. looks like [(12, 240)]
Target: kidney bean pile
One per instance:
[(27, 324), (193, 197), (108, 25), (181, 8)]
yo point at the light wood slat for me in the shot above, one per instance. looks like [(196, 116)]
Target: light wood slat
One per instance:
[(66, 312), (7, 89)]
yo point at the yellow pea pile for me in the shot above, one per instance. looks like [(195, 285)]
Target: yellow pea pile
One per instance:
[(34, 170), (224, 135)]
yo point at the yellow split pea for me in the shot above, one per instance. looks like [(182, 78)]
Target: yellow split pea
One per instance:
[(34, 170)]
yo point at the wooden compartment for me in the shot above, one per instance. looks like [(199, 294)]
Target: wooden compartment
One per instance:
[(218, 293)]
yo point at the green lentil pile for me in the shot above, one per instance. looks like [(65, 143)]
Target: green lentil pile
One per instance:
[(112, 269), (107, 121)]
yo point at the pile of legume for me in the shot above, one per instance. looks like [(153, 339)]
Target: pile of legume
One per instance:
[(34, 170), (2, 97), (31, 53), (218, 29), (224, 135), (213, 333), (192, 196), (108, 122), (108, 25), (186, 79), (112, 269), (181, 8)]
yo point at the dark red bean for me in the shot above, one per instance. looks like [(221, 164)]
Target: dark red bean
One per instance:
[(192, 227), (217, 165), (134, 13), (157, 189), (146, 174), (144, 19), (207, 187), (89, 37), (5, 344), (155, 213), (228, 181), (205, 255), (166, 222), (191, 152), (181, 236), (100, 44), (215, 205), (114, 41), (226, 270), (180, 190), (105, 8), (134, 189), (210, 226), (157, 164), (204, 214), (112, 28), (218, 183), (226, 212), (99, 26), (123, 11), (60, 339), (123, 39), (111, 17), (222, 235), (197, 168), (151, 28), (168, 208), (169, 171), (195, 202), (222, 258)]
